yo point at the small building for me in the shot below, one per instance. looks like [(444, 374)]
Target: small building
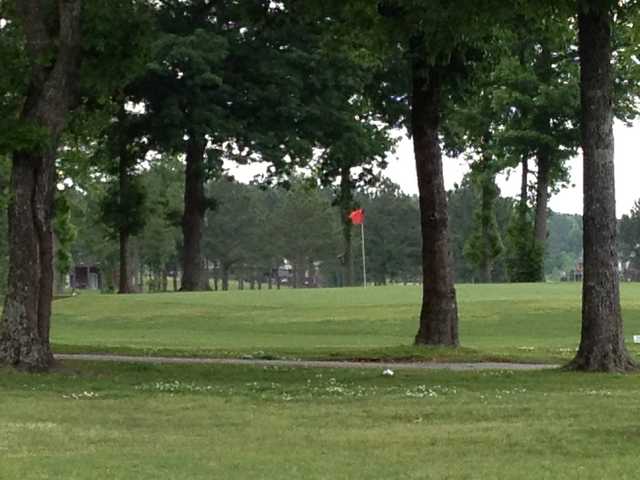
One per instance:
[(85, 277)]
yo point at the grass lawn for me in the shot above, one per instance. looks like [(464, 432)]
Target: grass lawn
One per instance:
[(115, 421), (103, 421), (498, 322)]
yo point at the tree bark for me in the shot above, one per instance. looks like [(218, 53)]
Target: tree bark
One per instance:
[(193, 216), (602, 345), (25, 321), (124, 283), (225, 278), (439, 314), (542, 200), (524, 184), (542, 207), (346, 204)]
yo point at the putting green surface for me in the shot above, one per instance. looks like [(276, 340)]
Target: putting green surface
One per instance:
[(534, 322)]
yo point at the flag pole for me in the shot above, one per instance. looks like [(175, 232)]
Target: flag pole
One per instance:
[(364, 257)]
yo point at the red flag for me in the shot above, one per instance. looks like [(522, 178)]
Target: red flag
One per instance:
[(357, 216)]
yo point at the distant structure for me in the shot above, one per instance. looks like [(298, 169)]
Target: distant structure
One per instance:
[(630, 271), (85, 277), (575, 275)]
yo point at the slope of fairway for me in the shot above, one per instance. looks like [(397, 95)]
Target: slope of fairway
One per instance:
[(524, 322)]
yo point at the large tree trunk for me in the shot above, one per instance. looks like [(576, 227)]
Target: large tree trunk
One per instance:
[(439, 315), (193, 217), (25, 322), (24, 328), (602, 345), (346, 204)]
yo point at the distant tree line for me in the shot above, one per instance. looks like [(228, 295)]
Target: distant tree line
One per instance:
[(251, 233)]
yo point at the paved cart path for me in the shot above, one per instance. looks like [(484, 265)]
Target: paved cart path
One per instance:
[(461, 367)]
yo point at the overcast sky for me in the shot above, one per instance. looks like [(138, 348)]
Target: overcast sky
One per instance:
[(402, 171)]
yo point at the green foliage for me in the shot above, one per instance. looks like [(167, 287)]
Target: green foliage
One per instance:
[(236, 231), (94, 244), (116, 47), (65, 233), (392, 235), (525, 256), (16, 134), (564, 245), (629, 243), (124, 209), (484, 245), (158, 241), (463, 215), (307, 227)]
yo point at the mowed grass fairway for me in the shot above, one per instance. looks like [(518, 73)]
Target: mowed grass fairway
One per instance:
[(99, 421), (523, 322), (91, 420)]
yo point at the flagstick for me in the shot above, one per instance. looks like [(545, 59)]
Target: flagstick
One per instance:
[(364, 261)]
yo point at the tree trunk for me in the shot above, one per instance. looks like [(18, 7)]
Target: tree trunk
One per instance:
[(193, 216), (602, 345), (439, 315), (542, 206), (346, 204), (225, 278), (491, 242), (124, 286), (298, 273), (54, 62), (524, 184), (24, 328), (165, 279), (58, 276)]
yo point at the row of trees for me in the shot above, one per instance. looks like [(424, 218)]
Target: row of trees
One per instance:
[(248, 234), (95, 91), (251, 231)]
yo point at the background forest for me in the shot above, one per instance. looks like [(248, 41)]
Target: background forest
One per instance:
[(251, 231)]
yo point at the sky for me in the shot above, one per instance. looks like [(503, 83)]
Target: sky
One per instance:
[(402, 171), (627, 163)]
